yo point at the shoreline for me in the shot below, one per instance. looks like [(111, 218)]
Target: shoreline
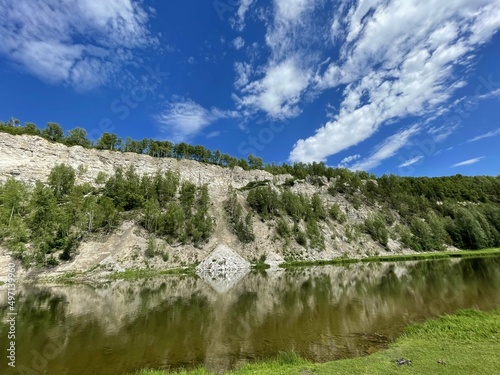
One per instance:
[(463, 343), (134, 274), (190, 270), (398, 258)]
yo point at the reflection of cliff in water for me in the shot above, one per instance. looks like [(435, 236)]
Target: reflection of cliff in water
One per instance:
[(321, 313)]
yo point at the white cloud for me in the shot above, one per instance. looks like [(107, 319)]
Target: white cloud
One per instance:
[(468, 162), (386, 149), (409, 162), (244, 6), (81, 43), (214, 134), (398, 59), (244, 72), (278, 93), (490, 134), (291, 10), (345, 162), (239, 42), (277, 89), (183, 118)]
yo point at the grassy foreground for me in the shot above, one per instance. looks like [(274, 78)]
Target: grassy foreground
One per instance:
[(399, 258), (467, 342)]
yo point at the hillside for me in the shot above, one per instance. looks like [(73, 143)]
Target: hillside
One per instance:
[(113, 211)]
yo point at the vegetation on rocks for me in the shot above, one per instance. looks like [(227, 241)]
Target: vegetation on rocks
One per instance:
[(36, 223), (44, 224)]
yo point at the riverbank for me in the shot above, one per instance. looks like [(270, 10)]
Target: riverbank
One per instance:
[(133, 274), (398, 258), (466, 342)]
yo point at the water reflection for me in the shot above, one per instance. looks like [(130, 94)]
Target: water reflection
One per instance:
[(321, 313), (222, 282)]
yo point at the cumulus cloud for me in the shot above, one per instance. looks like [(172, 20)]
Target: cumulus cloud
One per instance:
[(81, 43), (278, 93), (398, 59), (183, 118), (279, 85), (239, 42), (467, 162), (346, 162), (239, 22)]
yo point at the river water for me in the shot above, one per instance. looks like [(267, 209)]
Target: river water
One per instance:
[(321, 313)]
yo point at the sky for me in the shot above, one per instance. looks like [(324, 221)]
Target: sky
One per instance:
[(408, 87)]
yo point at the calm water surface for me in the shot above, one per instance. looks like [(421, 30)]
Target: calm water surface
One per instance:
[(321, 313)]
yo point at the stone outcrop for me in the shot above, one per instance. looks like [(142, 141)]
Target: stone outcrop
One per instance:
[(31, 158)]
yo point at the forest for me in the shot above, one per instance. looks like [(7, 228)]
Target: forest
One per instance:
[(425, 214)]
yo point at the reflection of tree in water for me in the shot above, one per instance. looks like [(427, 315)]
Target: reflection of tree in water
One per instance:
[(322, 313)]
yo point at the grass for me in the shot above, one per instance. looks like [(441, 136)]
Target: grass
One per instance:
[(464, 343), (398, 258), (132, 274)]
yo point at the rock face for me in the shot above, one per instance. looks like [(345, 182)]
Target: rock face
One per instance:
[(223, 268), (31, 158), (223, 259)]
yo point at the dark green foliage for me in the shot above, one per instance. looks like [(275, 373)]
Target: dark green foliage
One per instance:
[(53, 132), (294, 205), (300, 236), (55, 218), (61, 180), (31, 129), (202, 224), (430, 212), (151, 248), (318, 209), (282, 228), (77, 137), (265, 201), (188, 197), (172, 221), (108, 141), (466, 230), (241, 227), (316, 239), (376, 228), (254, 184), (337, 214), (124, 189)]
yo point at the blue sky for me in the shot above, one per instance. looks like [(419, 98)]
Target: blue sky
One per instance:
[(407, 87)]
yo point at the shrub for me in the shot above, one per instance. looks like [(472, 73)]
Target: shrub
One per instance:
[(376, 228)]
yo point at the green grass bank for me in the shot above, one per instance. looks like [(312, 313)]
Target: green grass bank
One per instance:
[(465, 343), (398, 258)]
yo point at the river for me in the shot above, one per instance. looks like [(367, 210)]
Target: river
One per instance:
[(321, 313)]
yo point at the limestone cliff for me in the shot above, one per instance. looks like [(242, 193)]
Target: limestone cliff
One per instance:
[(30, 159)]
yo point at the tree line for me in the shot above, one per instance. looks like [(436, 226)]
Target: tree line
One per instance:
[(424, 213)]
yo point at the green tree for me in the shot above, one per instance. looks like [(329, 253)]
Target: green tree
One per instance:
[(264, 200), (53, 132), (337, 214), (375, 227), (61, 180), (31, 129), (77, 137), (317, 207), (108, 141), (172, 221)]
